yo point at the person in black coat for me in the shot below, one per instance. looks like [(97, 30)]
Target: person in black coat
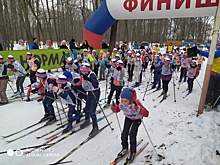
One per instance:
[(73, 44), (1, 48)]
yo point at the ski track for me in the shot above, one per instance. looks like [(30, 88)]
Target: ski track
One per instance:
[(179, 136)]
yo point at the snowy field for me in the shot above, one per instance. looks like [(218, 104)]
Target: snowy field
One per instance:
[(176, 132)]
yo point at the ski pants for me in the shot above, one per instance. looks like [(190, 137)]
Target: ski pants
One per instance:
[(157, 77), (118, 92), (131, 129), (19, 83), (190, 84), (102, 73), (48, 104), (182, 74), (3, 86), (213, 90), (33, 78), (165, 85), (91, 104), (130, 71)]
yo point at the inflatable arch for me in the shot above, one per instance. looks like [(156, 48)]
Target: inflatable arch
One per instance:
[(111, 10)]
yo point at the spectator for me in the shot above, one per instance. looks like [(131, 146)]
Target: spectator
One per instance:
[(73, 44), (104, 45), (63, 45), (48, 45), (34, 44), (85, 45), (21, 45)]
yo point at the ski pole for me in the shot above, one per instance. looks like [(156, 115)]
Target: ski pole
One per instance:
[(106, 86), (147, 86), (174, 90), (117, 117), (198, 83), (63, 108), (149, 136), (216, 101), (11, 87), (57, 108), (100, 106)]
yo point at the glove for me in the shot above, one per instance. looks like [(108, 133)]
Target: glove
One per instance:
[(27, 74), (10, 66), (114, 108), (13, 70), (118, 68), (34, 90), (85, 77)]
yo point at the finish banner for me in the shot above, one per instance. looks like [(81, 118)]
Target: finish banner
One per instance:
[(151, 9)]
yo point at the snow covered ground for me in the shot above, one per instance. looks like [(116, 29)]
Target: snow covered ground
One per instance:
[(176, 132)]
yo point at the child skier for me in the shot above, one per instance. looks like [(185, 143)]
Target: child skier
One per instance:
[(166, 75), (3, 81), (20, 74), (39, 92), (157, 67), (89, 82), (192, 73), (118, 83), (138, 69), (133, 111), (47, 83), (64, 91), (184, 66)]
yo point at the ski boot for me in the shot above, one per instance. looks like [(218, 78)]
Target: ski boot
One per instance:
[(154, 86), (106, 105), (45, 118), (85, 124), (28, 99), (95, 130), (122, 153), (51, 120), (131, 157), (67, 129), (164, 95), (158, 88)]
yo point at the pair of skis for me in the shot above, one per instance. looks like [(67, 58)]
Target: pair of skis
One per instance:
[(118, 159), (60, 161), (160, 100)]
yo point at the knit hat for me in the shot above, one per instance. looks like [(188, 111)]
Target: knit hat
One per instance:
[(68, 75), (127, 93), (28, 54), (166, 59), (193, 62), (218, 43), (10, 58), (120, 62), (34, 38), (138, 55), (115, 49), (61, 79), (1, 60), (117, 56), (85, 50), (85, 67), (156, 58), (41, 73)]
